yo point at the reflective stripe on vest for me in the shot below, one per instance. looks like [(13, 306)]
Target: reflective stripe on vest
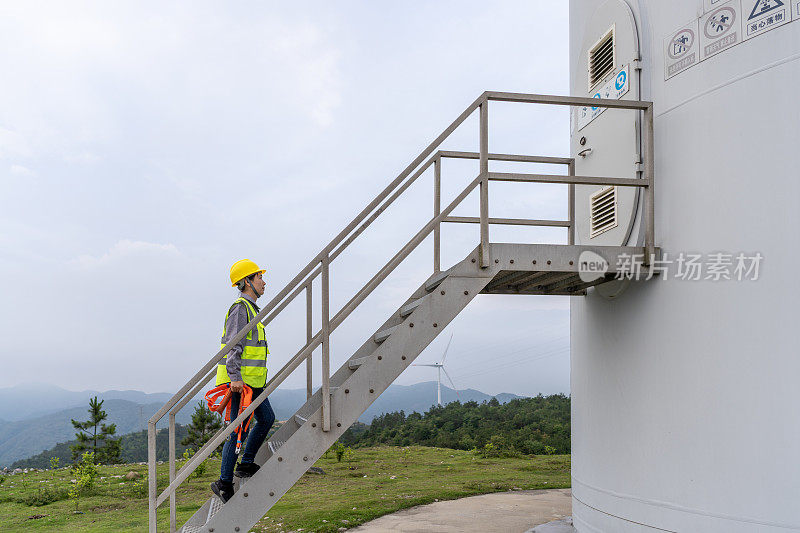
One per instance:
[(254, 356)]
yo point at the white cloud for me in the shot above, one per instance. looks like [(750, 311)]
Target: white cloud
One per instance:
[(13, 144), (85, 76), (19, 170), (82, 158), (124, 250)]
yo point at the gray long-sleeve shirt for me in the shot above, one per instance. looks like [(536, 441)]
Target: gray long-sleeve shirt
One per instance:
[(237, 320)]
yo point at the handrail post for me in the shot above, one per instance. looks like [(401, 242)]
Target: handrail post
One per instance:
[(326, 346), (152, 487), (437, 209), (484, 191), (172, 471), (309, 335), (649, 203), (571, 200)]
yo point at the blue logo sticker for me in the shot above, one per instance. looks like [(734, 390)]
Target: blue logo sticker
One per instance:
[(596, 95), (622, 77)]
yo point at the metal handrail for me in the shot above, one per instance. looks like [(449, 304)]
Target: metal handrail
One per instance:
[(320, 264)]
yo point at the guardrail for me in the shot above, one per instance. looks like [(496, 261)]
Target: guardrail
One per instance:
[(320, 264)]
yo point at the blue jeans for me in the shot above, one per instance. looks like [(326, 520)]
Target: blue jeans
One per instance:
[(263, 419)]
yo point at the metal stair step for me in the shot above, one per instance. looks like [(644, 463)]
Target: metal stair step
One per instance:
[(274, 445), (384, 334), (214, 508), (410, 307), (214, 505), (354, 364), (436, 280), (300, 420), (198, 521)]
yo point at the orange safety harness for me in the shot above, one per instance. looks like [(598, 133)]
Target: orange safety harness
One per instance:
[(219, 400)]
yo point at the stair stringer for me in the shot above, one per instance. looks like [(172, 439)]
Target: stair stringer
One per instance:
[(352, 397), (343, 373), (198, 520)]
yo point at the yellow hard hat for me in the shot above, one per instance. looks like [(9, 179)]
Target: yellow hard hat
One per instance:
[(243, 268)]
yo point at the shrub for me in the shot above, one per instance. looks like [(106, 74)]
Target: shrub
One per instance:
[(44, 496), (348, 454), (140, 487), (338, 449), (498, 446), (199, 469), (86, 474)]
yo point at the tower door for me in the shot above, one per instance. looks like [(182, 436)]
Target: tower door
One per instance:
[(606, 142)]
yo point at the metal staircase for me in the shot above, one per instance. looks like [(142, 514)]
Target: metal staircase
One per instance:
[(490, 268)]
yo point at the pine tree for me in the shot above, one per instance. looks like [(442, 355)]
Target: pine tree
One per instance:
[(105, 448), (205, 424)]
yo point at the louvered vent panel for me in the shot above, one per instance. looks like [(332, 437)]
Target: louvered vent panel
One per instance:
[(601, 59), (603, 211)]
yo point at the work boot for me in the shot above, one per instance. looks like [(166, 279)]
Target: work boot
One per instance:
[(246, 469), (223, 489)]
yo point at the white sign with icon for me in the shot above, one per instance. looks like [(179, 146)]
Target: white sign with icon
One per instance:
[(613, 89)]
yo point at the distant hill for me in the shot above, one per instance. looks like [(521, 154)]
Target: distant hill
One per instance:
[(422, 396), (28, 437), (133, 449), (130, 410), (43, 399)]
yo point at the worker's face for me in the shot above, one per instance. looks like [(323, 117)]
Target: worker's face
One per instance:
[(259, 284)]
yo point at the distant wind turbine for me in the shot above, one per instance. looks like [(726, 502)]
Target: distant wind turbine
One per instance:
[(440, 368)]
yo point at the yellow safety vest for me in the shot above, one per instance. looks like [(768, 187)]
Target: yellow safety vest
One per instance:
[(254, 357)]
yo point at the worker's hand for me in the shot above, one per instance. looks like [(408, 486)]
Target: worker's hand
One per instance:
[(237, 386)]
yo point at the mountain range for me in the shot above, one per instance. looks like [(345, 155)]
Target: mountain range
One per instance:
[(29, 427)]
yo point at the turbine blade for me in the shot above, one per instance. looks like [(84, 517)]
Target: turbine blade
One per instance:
[(447, 348), (451, 383)]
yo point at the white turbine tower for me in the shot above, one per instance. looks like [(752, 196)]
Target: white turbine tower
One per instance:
[(440, 368)]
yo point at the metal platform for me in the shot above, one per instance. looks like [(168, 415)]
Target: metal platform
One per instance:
[(551, 269)]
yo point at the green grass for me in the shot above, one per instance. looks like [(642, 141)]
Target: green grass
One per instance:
[(375, 482)]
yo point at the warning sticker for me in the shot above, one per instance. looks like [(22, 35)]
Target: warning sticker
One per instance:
[(763, 15), (681, 50), (720, 29), (708, 5), (614, 89)]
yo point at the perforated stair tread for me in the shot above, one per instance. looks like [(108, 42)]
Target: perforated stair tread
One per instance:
[(383, 334), (211, 507), (274, 445), (354, 364), (214, 508), (410, 307), (436, 280)]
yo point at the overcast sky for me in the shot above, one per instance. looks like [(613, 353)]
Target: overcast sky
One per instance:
[(145, 147)]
